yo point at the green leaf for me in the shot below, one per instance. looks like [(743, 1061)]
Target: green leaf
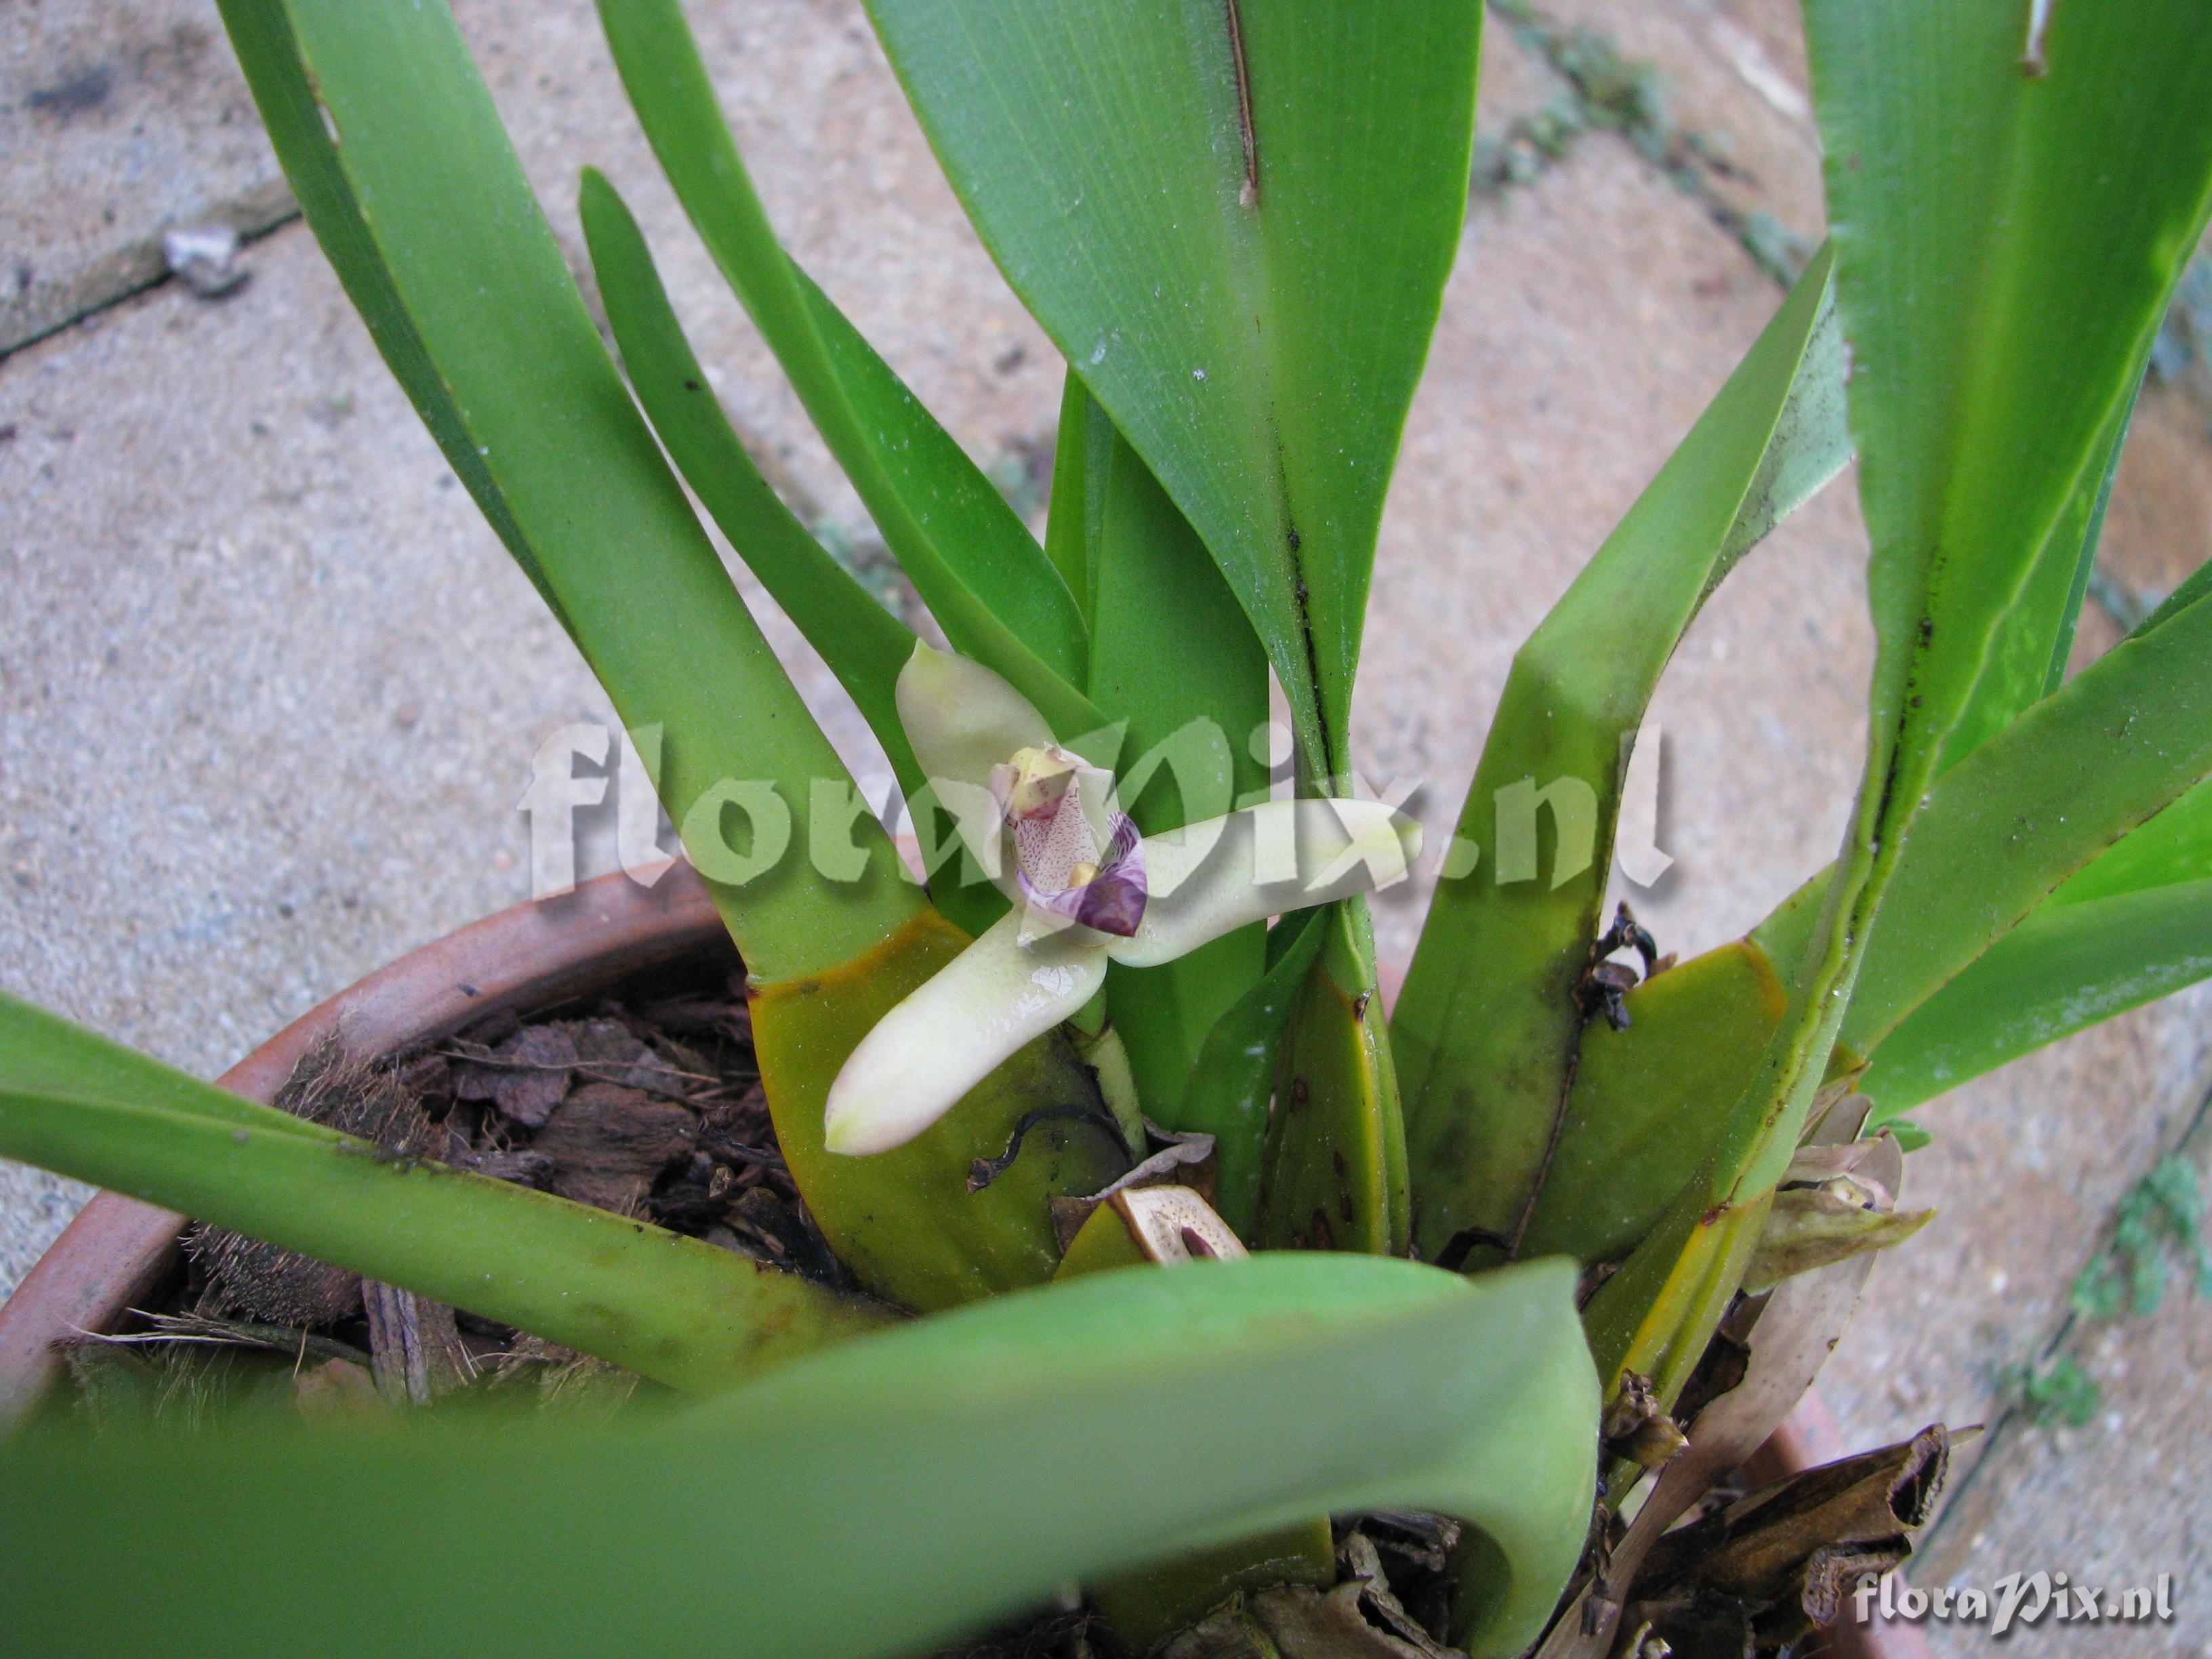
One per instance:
[(1910, 1136), (1236, 221), (2122, 742), (2005, 251), (1171, 654), (2065, 967), (904, 1220), (2174, 846), (2020, 820), (2027, 657), (2198, 584), (1487, 1028), (1234, 1080), (672, 1309), (1080, 450), (1654, 1314), (1334, 1171), (2125, 930), (979, 570), (863, 645), (948, 1473), (1648, 1103), (2093, 795), (394, 148)]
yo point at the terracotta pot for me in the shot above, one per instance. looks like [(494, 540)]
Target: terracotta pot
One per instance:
[(118, 1249)]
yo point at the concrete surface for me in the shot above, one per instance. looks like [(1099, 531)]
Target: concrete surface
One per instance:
[(2115, 1500), (1733, 98), (269, 690), (118, 121)]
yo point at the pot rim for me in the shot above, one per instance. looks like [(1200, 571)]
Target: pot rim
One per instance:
[(532, 955)]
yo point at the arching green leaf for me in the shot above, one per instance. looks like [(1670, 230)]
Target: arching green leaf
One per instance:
[(979, 570), (394, 147), (946, 1474), (2005, 251), (672, 1309), (863, 645), (1487, 1028), (2064, 969)]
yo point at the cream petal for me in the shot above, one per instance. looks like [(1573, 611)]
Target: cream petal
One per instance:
[(955, 1030), (964, 722), (977, 821), (1216, 876), (961, 719)]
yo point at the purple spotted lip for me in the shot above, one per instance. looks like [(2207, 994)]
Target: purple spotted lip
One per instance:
[(1113, 900), (1062, 869)]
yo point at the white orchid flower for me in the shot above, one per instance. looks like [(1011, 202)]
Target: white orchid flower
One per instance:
[(1086, 889)]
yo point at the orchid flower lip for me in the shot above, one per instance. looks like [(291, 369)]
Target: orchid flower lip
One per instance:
[(1078, 859)]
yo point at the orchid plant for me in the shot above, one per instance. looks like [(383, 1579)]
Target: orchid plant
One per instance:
[(1464, 1257)]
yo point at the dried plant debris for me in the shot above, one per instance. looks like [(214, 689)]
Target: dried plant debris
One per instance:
[(1392, 1601), (1060, 1633), (1725, 1363), (174, 1330), (1765, 1355), (526, 1077), (562, 1377), (1810, 1227), (179, 1367), (1293, 1621), (1362, 1562), (414, 1351), (1761, 1573), (763, 1223), (649, 1106), (528, 1072), (1636, 1426), (416, 1347), (609, 1145), (1422, 1543), (243, 1276)]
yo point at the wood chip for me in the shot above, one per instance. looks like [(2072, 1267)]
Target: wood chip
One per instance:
[(610, 1052), (610, 1144), (544, 1058), (415, 1345)]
